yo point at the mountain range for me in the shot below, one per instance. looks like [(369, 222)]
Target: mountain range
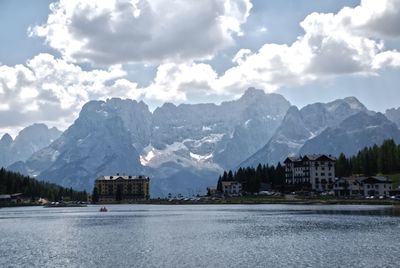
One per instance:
[(28, 141), (184, 148)]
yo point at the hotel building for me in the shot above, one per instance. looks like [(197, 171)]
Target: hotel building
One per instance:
[(122, 188)]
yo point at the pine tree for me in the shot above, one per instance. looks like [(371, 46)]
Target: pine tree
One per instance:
[(95, 195)]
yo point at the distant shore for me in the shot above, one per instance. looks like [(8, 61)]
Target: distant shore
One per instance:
[(245, 200), (254, 200)]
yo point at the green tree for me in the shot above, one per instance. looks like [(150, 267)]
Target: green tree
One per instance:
[(95, 195)]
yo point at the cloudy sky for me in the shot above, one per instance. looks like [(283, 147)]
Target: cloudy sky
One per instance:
[(55, 56)]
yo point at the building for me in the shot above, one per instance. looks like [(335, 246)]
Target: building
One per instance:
[(231, 188), (314, 172), (377, 186), (363, 186), (5, 198), (349, 187), (122, 188), (212, 190)]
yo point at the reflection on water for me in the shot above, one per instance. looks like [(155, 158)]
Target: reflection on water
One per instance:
[(201, 236)]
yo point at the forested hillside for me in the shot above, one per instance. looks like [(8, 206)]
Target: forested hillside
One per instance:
[(11, 182)]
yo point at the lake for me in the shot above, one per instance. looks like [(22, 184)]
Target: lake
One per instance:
[(201, 236)]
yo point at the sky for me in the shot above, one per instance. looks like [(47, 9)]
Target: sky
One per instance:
[(56, 56)]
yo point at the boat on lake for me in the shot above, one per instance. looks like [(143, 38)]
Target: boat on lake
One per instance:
[(103, 209)]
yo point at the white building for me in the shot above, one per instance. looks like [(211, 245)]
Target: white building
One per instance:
[(231, 188), (311, 172), (362, 186), (349, 187), (377, 186)]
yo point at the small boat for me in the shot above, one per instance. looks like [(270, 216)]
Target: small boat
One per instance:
[(103, 209)]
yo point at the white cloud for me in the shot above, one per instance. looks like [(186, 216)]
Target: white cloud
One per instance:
[(51, 90), (346, 43), (121, 31), (262, 29)]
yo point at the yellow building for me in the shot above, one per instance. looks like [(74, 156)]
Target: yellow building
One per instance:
[(122, 188)]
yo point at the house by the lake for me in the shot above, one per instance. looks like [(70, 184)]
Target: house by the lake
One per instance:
[(122, 188), (362, 186), (377, 186), (313, 172), (231, 188)]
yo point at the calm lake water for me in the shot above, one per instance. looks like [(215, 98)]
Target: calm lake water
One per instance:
[(200, 236)]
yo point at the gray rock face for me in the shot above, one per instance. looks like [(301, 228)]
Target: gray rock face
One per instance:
[(29, 140), (353, 134), (183, 148), (289, 137), (393, 115), (98, 142), (5, 146), (300, 126), (172, 144)]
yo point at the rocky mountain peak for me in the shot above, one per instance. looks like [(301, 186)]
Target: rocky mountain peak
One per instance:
[(393, 115), (6, 139)]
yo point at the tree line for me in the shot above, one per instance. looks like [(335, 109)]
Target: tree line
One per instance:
[(251, 178), (11, 182), (383, 159)]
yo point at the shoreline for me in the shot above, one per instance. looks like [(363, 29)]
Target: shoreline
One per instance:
[(240, 201), (259, 202)]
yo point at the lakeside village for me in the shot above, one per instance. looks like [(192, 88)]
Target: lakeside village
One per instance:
[(307, 176), (313, 177)]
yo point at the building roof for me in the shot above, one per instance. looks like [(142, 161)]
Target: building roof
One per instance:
[(319, 157), (292, 159), (230, 182), (367, 180), (123, 177), (376, 179), (310, 157), (351, 179)]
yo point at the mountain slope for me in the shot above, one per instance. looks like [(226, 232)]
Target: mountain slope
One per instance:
[(189, 144), (28, 141), (289, 137), (353, 134), (393, 115), (300, 126)]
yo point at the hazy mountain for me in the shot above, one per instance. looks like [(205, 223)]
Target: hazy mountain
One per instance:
[(98, 142), (289, 137), (353, 134), (28, 141), (183, 148), (5, 147), (393, 115), (300, 126)]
